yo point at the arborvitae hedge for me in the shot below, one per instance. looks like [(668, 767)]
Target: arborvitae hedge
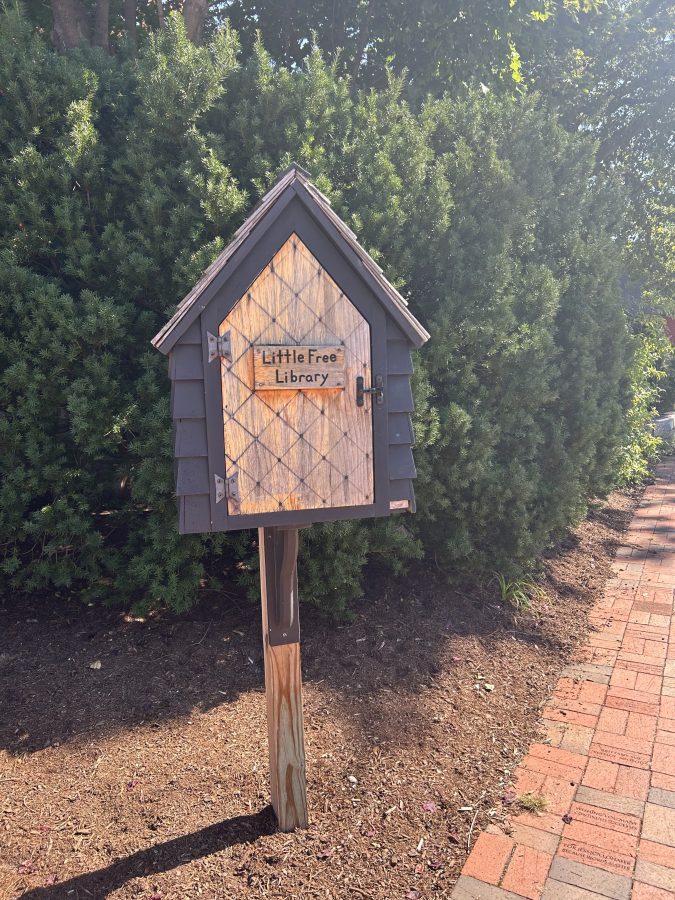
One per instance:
[(120, 180)]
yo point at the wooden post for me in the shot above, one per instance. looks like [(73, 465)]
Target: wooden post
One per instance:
[(283, 677)]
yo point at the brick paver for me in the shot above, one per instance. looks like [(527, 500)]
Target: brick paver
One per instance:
[(607, 767)]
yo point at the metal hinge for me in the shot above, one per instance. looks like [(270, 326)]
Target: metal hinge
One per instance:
[(219, 347), (233, 488), (377, 391), (220, 488)]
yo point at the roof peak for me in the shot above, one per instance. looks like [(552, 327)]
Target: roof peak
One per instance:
[(296, 181), (296, 168)]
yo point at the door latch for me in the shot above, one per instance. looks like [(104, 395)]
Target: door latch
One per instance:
[(377, 391)]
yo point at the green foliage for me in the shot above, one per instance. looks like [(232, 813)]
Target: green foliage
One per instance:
[(518, 592), (121, 179), (437, 43), (641, 446), (613, 76)]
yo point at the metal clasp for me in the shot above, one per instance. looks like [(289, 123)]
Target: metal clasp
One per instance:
[(377, 391)]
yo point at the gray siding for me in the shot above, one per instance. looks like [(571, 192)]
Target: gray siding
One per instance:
[(400, 406), (186, 370)]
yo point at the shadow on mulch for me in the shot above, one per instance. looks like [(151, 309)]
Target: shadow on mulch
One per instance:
[(161, 857), (170, 665)]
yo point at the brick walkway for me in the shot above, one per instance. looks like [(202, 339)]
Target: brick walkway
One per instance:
[(607, 771)]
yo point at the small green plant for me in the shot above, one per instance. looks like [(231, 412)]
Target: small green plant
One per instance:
[(531, 802), (518, 592)]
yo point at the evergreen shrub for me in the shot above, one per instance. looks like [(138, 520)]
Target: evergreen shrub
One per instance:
[(648, 372), (121, 179)]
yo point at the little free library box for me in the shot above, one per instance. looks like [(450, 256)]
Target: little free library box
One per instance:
[(290, 366)]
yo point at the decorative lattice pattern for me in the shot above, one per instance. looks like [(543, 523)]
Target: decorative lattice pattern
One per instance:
[(296, 449)]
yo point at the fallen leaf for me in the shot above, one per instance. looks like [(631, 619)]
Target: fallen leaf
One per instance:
[(489, 687), (96, 664), (413, 895), (429, 806), (567, 818), (25, 867), (453, 837), (324, 854)]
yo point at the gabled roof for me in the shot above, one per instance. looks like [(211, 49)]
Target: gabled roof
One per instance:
[(296, 181)]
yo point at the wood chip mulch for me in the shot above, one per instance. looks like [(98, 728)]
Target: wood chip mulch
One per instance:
[(133, 755)]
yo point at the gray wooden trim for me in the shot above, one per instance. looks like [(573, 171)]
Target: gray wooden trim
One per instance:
[(192, 476), (399, 359), (194, 514), (190, 437), (401, 463), (185, 362), (394, 332), (301, 517), (187, 400), (400, 394), (400, 489), (192, 335), (400, 429)]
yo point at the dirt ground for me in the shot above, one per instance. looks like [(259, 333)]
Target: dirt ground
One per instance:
[(133, 757)]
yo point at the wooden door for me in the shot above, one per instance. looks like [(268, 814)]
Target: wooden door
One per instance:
[(306, 448)]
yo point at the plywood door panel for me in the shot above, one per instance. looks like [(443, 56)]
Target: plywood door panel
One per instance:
[(296, 449)]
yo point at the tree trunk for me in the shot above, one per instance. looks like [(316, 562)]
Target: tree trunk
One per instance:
[(160, 14), (194, 15), (70, 24), (130, 21), (100, 32)]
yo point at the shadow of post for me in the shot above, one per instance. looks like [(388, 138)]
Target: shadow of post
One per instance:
[(161, 857)]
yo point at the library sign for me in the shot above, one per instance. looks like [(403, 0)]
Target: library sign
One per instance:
[(298, 368)]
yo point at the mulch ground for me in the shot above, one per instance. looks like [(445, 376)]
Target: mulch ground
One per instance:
[(133, 756)]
